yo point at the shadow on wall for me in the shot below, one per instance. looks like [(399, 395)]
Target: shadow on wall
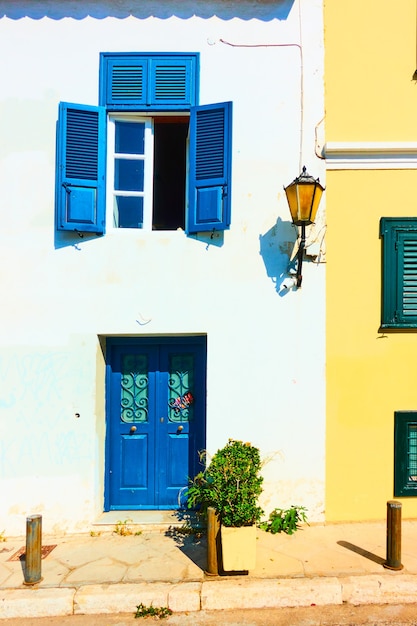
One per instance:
[(276, 247), (63, 239), (79, 9)]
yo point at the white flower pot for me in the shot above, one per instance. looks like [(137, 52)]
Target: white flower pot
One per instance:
[(238, 548)]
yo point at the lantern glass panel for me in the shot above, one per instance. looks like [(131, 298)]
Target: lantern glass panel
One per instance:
[(303, 200)]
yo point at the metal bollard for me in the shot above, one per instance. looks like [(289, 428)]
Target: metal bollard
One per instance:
[(393, 536), (32, 571), (213, 530)]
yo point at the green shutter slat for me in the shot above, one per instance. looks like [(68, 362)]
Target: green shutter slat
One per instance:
[(409, 295), (412, 452)]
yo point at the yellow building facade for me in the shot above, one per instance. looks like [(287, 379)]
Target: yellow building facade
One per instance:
[(371, 159)]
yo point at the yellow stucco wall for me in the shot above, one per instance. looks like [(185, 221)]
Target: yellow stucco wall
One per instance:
[(370, 57)]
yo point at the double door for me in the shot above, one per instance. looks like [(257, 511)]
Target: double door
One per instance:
[(156, 399)]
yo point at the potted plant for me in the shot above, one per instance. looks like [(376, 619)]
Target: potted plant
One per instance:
[(232, 484)]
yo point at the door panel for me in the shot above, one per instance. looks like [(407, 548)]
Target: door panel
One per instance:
[(156, 397), (132, 445), (134, 461)]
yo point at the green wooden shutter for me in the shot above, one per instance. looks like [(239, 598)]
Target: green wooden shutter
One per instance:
[(407, 277), (405, 453), (80, 168), (399, 272)]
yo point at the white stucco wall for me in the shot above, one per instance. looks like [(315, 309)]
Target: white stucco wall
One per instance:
[(265, 375)]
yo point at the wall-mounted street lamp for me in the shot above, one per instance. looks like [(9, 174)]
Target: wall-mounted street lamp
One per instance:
[(303, 195)]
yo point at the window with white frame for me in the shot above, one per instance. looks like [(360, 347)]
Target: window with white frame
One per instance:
[(146, 171), (162, 160)]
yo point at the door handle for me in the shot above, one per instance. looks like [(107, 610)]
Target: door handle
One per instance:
[(133, 430), (180, 429)]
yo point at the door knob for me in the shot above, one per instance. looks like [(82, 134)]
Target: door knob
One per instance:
[(133, 430), (180, 428)]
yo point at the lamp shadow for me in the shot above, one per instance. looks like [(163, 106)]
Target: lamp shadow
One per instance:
[(276, 247), (368, 555)]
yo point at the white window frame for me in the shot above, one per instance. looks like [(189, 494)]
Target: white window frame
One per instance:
[(147, 194)]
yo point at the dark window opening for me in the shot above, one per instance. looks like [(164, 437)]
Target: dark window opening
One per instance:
[(170, 144)]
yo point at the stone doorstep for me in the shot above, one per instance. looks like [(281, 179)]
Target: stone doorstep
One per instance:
[(209, 595)]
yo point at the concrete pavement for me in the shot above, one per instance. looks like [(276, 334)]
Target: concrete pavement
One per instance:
[(106, 572)]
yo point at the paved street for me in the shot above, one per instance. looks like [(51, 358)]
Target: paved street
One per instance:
[(320, 566), (375, 615)]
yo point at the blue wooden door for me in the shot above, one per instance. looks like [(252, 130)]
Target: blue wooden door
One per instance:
[(156, 398)]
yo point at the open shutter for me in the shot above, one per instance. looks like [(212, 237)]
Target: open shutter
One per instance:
[(407, 278), (399, 272), (80, 174), (209, 197)]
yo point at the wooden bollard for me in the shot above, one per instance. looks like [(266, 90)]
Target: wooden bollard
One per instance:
[(213, 530), (393, 536), (33, 566)]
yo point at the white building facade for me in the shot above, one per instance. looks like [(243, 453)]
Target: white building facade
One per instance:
[(145, 238)]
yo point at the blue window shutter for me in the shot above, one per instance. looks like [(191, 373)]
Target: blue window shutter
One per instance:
[(209, 196), (141, 81), (80, 173), (172, 81), (124, 82)]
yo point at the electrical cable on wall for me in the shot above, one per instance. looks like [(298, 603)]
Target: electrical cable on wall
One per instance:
[(299, 46)]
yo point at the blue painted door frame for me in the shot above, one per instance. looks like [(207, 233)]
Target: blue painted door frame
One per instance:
[(155, 419)]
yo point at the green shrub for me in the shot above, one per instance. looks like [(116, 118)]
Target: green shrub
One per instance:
[(285, 520), (231, 484)]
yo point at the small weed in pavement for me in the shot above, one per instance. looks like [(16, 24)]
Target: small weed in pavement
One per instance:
[(152, 611), (123, 528), (285, 520)]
